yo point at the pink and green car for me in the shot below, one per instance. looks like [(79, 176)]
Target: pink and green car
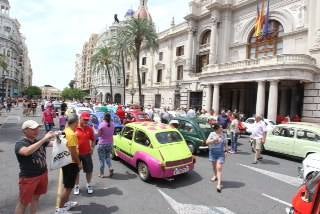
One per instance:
[(155, 149)]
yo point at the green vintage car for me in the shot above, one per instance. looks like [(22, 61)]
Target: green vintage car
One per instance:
[(195, 131), (295, 139)]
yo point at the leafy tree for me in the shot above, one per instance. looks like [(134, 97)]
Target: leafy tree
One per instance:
[(73, 93), (72, 83), (140, 32), (33, 91), (123, 50), (105, 60)]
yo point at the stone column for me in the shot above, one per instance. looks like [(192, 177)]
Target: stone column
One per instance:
[(216, 98), (273, 101), (189, 48), (214, 37), (260, 106), (209, 98)]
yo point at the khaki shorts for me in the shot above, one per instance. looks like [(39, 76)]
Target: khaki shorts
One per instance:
[(257, 144)]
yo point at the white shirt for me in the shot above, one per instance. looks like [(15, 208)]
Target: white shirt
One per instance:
[(191, 113), (258, 130)]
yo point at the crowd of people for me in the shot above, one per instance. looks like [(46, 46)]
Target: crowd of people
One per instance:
[(83, 138)]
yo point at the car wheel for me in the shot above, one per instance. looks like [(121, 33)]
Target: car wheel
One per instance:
[(192, 148), (143, 171)]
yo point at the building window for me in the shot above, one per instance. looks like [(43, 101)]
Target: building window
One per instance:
[(268, 45), (160, 56), (127, 81), (180, 51), (143, 81), (118, 81), (180, 72), (205, 40), (201, 61), (159, 76), (144, 60)]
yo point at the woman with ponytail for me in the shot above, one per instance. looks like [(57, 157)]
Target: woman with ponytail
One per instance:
[(105, 144)]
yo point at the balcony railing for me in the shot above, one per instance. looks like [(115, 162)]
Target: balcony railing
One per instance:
[(285, 59)]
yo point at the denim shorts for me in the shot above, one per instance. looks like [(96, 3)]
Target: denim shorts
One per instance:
[(216, 156)]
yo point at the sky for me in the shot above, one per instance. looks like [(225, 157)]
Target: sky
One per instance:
[(56, 30)]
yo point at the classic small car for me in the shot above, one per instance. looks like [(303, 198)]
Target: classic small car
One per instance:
[(294, 139), (195, 131), (310, 165), (97, 118), (136, 116), (155, 149)]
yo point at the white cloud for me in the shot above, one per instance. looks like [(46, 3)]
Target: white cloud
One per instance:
[(57, 29)]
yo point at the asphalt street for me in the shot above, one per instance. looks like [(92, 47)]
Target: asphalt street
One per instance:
[(267, 187)]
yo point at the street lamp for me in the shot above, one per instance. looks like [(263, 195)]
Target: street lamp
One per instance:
[(132, 92)]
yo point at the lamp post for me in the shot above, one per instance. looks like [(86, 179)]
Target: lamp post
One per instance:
[(132, 92)]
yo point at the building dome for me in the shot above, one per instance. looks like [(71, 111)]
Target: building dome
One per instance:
[(142, 12), (129, 13)]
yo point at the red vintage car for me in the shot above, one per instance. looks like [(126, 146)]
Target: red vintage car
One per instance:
[(136, 116), (307, 201)]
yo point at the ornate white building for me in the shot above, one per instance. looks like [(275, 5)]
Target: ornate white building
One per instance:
[(214, 61), (18, 74)]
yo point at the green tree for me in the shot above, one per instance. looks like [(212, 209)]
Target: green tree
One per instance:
[(140, 32), (123, 50), (33, 91), (105, 60), (73, 93)]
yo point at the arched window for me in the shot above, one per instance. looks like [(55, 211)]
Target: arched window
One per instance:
[(108, 98), (205, 39), (117, 98), (267, 45)]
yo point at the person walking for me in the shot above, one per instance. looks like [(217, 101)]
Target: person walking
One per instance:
[(62, 121), (70, 171), (234, 129), (258, 136), (217, 149), (48, 118), (86, 143), (33, 176), (105, 144), (34, 106)]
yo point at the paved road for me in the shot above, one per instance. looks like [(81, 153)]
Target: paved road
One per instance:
[(264, 188)]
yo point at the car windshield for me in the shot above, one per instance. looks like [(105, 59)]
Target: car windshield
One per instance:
[(168, 137), (203, 124), (116, 119)]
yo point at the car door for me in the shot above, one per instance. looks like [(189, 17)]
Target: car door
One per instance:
[(281, 139), (306, 141), (190, 133), (124, 142)]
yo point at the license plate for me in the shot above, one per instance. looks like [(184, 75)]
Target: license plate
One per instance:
[(178, 171)]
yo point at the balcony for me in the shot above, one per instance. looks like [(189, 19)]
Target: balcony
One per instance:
[(287, 66)]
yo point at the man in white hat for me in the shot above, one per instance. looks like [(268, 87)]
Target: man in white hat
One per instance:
[(33, 176)]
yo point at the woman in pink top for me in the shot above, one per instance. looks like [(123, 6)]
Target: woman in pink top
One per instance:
[(105, 144)]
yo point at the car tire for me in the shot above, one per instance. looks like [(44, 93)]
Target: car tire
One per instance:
[(192, 148), (143, 171)]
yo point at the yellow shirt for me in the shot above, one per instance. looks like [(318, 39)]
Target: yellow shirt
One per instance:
[(71, 137)]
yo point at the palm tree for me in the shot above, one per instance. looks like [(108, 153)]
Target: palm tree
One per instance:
[(138, 32), (124, 51), (104, 60)]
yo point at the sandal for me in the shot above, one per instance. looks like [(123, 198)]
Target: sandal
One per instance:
[(213, 179)]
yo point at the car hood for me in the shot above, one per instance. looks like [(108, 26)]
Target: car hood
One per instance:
[(312, 160), (175, 151)]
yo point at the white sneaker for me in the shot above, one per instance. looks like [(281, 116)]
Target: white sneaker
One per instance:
[(76, 190), (62, 211), (70, 204), (90, 189)]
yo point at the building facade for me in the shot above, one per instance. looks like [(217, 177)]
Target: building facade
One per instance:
[(49, 92), (18, 74), (214, 60)]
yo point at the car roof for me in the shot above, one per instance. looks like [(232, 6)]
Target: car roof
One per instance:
[(302, 125), (149, 126)]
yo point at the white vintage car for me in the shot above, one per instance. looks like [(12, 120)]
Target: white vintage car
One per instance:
[(309, 165)]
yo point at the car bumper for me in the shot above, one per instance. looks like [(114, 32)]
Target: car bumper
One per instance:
[(203, 147), (174, 171)]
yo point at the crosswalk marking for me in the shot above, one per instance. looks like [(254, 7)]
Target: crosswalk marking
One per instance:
[(180, 208), (293, 181), (276, 199)]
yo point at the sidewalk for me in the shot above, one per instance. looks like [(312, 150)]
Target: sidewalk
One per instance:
[(16, 116)]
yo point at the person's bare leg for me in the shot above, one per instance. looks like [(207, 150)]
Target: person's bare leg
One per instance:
[(219, 174), (89, 177), (214, 167), (34, 204), (64, 197), (20, 208)]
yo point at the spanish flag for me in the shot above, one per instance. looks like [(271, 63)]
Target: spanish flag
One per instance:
[(260, 19)]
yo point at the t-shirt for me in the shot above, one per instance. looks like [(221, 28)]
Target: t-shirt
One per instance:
[(219, 147), (85, 135), (33, 165), (223, 121), (258, 130), (106, 133), (234, 127), (62, 120)]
